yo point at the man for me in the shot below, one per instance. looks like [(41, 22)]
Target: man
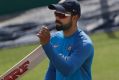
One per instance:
[(70, 50)]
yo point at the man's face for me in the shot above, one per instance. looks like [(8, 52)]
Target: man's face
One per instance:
[(63, 20)]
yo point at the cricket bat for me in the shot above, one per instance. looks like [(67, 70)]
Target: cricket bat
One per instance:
[(26, 64)]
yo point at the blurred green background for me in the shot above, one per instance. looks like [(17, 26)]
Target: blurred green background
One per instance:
[(12, 6)]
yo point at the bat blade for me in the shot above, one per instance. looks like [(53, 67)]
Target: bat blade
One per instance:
[(26, 64)]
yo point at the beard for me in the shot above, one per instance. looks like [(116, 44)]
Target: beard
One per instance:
[(63, 27)]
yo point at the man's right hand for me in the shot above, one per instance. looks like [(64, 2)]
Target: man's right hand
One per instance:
[(44, 35)]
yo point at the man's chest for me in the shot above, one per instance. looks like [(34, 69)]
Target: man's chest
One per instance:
[(63, 47)]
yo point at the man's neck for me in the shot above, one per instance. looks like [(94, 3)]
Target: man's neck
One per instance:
[(70, 31)]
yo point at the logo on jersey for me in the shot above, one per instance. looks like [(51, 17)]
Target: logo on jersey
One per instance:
[(55, 46), (69, 48)]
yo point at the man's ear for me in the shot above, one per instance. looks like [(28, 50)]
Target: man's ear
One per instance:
[(75, 17)]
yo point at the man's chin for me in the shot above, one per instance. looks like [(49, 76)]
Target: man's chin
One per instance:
[(58, 24), (59, 28)]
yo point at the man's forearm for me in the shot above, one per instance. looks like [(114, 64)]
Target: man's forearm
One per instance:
[(51, 73)]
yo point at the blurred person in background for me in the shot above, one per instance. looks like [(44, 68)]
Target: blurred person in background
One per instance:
[(69, 50)]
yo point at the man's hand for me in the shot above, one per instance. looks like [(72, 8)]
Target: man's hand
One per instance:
[(44, 35)]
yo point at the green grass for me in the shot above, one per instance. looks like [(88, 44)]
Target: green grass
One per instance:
[(106, 61), (105, 64)]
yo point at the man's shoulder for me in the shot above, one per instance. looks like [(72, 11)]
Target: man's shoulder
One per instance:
[(83, 38)]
